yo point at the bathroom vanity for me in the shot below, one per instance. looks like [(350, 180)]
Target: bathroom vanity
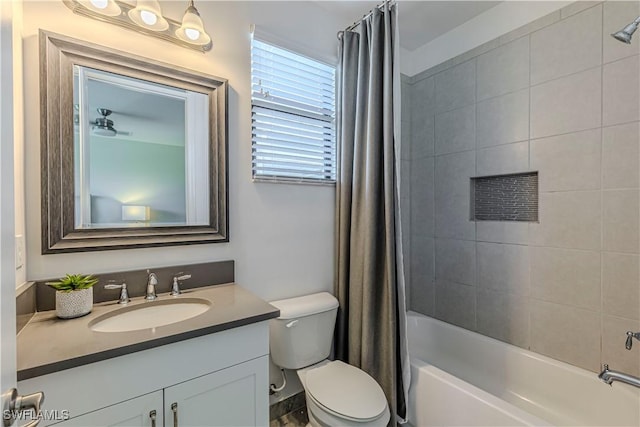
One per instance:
[(211, 369)]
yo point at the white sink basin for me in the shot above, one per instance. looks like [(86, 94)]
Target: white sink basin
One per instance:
[(150, 315)]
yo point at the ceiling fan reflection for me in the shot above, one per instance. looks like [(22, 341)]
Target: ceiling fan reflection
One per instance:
[(103, 126)]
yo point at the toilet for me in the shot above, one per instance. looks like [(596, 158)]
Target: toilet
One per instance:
[(337, 394)]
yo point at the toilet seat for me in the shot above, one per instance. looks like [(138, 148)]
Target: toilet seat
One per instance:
[(345, 391)]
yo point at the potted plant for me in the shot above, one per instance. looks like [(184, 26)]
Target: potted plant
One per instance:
[(74, 295)]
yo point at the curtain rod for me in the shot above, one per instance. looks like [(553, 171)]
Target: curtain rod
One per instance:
[(366, 15)]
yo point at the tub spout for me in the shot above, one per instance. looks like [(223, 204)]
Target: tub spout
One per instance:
[(609, 376)]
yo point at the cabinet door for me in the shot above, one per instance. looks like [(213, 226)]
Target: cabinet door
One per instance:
[(131, 413), (235, 396)]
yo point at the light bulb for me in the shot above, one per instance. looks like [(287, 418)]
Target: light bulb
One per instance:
[(100, 4), (192, 33), (192, 29), (103, 7), (148, 18), (148, 15)]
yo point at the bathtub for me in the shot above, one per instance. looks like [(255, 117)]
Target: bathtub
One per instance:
[(461, 378)]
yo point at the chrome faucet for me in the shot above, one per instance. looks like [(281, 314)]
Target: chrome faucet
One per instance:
[(152, 281), (630, 336), (609, 377)]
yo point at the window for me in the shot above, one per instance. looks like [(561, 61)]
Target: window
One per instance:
[(292, 115)]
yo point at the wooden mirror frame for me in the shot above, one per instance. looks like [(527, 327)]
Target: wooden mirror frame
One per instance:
[(58, 55)]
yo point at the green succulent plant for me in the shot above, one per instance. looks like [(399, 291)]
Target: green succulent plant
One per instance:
[(73, 282)]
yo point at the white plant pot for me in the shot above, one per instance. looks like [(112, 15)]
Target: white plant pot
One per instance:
[(74, 304)]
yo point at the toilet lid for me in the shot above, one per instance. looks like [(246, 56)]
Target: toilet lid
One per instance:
[(346, 390)]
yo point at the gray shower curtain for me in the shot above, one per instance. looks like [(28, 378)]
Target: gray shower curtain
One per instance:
[(369, 283)]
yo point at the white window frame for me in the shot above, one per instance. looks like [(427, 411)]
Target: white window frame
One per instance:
[(316, 119)]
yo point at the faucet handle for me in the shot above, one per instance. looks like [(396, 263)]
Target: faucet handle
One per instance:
[(183, 277), (630, 336), (175, 288), (124, 294), (114, 284)]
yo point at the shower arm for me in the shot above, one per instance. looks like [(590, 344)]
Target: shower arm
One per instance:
[(635, 23)]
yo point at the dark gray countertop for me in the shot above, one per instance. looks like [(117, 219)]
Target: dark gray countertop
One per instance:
[(48, 344)]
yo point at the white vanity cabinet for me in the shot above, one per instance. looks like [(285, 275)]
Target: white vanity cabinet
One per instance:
[(138, 412), (219, 379), (224, 398)]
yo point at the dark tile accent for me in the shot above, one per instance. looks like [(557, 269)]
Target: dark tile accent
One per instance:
[(291, 412), (297, 418), (287, 405), (505, 197), (25, 306), (205, 274)]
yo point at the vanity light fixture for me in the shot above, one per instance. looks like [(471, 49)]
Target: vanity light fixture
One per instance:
[(192, 28), (145, 16), (148, 14)]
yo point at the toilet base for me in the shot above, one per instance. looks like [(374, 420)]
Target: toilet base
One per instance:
[(318, 417)]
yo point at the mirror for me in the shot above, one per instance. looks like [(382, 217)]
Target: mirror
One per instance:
[(136, 163), (134, 151)]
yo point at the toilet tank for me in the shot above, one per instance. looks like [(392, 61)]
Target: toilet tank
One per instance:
[(303, 333)]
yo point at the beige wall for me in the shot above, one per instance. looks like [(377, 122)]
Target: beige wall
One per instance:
[(560, 97), (281, 235)]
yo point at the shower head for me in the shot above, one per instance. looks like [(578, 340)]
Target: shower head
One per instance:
[(625, 34)]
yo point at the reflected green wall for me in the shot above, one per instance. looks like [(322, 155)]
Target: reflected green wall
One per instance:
[(136, 173)]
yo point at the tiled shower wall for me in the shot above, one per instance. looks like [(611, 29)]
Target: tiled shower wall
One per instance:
[(560, 97)]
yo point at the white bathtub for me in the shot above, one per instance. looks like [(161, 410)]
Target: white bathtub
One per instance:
[(460, 378)]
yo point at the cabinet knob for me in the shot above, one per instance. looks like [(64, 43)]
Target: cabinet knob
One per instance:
[(152, 415)]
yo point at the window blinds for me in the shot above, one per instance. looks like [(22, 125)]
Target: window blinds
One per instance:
[(292, 112)]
